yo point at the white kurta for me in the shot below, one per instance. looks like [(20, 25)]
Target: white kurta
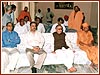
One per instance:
[(65, 23), (54, 26), (28, 25), (20, 29), (35, 39), (41, 28), (40, 15)]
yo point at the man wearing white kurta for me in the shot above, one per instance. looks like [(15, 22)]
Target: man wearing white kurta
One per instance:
[(27, 25), (27, 22), (63, 49), (60, 22), (34, 45), (39, 14), (21, 28), (49, 15), (40, 26)]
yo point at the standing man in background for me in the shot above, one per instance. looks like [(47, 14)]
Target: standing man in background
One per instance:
[(6, 17), (12, 14), (49, 16), (75, 19), (39, 14), (24, 13)]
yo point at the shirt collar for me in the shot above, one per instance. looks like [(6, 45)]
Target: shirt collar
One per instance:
[(8, 31), (7, 14)]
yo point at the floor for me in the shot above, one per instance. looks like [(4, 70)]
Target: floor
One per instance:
[(59, 69)]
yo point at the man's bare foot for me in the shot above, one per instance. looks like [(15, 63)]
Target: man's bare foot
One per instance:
[(72, 69), (94, 65)]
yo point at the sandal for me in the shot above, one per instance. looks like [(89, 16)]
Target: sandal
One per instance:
[(72, 69)]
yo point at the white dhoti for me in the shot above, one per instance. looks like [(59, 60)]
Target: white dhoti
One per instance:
[(66, 56), (9, 57)]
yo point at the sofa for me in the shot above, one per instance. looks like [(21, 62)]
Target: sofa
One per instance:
[(80, 56)]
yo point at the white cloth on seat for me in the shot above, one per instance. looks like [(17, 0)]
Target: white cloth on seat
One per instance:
[(80, 56)]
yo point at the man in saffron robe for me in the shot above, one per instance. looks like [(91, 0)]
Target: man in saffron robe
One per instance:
[(85, 42), (75, 19), (24, 13)]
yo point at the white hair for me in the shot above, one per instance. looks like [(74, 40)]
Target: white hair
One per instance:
[(8, 7)]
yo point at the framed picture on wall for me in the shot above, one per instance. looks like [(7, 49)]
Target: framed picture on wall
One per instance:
[(64, 5)]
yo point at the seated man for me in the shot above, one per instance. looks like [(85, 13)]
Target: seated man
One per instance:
[(60, 22), (27, 22), (21, 28), (34, 45), (85, 42), (10, 39), (66, 22), (63, 52), (40, 26)]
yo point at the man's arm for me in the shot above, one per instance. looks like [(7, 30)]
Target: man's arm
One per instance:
[(16, 39), (5, 41)]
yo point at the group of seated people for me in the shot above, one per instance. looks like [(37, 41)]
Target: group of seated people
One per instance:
[(24, 25), (35, 41)]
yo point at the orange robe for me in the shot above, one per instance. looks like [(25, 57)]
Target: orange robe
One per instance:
[(75, 22), (92, 51), (23, 14)]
